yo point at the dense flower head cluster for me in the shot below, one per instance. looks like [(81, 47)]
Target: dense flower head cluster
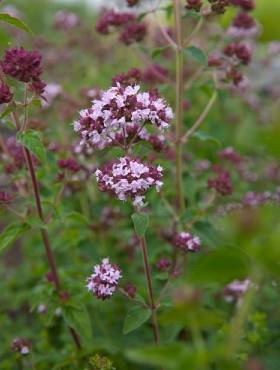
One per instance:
[(5, 94), (111, 18), (69, 164), (241, 50), (22, 64), (129, 178), (163, 264), (119, 110), (219, 6), (130, 29), (244, 4), (234, 291), (65, 20), (186, 242), (230, 154), (253, 199), (130, 289), (131, 77), (133, 32), (21, 345), (243, 25), (104, 280), (221, 183), (37, 87)]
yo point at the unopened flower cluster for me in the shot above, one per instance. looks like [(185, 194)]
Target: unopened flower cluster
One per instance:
[(187, 242), (131, 30), (120, 110), (104, 280), (24, 66), (129, 178), (239, 51)]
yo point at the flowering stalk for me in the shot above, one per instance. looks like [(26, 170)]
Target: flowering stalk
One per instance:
[(152, 304), (37, 198), (179, 105)]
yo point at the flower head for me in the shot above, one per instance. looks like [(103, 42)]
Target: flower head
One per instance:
[(221, 183), (186, 242), (104, 280), (133, 32), (236, 289), (243, 25), (21, 345), (22, 64), (122, 110), (129, 178), (111, 18)]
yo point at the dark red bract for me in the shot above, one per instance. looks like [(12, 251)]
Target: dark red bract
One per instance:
[(22, 64)]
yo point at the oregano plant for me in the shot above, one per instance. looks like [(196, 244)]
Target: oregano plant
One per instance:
[(139, 191)]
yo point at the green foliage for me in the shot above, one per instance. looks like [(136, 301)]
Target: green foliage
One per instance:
[(32, 140), (18, 23), (141, 223), (11, 233), (135, 317)]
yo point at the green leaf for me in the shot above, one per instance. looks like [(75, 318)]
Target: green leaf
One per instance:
[(77, 317), (31, 139), (197, 54), (6, 111), (14, 22), (135, 318), (141, 223), (76, 218), (11, 233)]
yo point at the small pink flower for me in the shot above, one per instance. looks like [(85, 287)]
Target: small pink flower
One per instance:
[(104, 280), (186, 242), (129, 178)]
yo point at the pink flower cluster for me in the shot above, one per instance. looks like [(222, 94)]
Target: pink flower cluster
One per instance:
[(119, 110), (221, 183), (241, 50), (65, 20), (25, 66), (186, 242), (129, 178), (104, 280), (131, 29), (236, 289), (243, 25), (21, 345)]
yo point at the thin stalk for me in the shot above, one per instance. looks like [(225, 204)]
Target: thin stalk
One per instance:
[(200, 118), (179, 106), (152, 304), (44, 233)]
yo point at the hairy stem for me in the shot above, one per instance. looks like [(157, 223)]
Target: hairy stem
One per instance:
[(179, 106), (150, 289)]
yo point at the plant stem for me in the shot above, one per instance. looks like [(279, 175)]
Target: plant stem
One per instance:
[(44, 233), (143, 245), (179, 106), (200, 118)]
